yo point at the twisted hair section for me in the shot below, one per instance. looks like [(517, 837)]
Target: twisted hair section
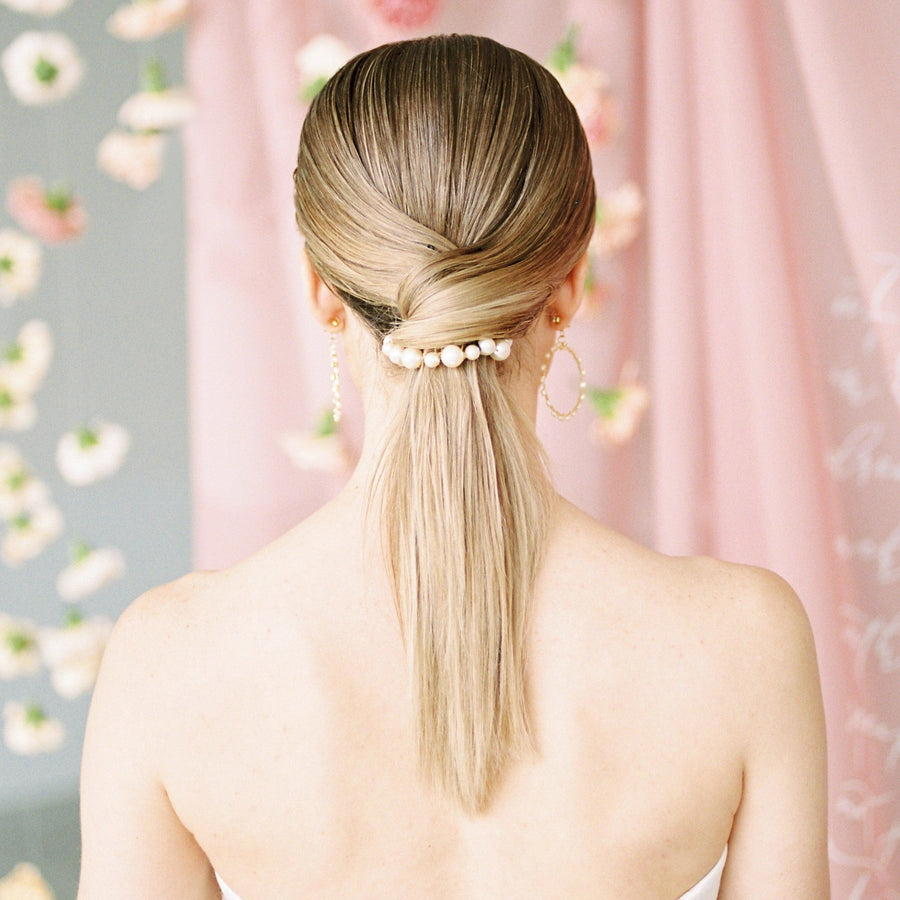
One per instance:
[(444, 189)]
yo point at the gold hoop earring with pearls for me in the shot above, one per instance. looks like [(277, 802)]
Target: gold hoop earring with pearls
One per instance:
[(561, 344), (336, 410)]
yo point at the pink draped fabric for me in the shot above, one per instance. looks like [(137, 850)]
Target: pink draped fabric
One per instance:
[(762, 301)]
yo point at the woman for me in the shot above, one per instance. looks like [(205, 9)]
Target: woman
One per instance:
[(449, 682)]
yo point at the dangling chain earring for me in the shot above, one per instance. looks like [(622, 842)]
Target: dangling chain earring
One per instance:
[(335, 374), (545, 368)]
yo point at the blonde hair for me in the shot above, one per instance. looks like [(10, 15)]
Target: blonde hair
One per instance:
[(444, 189)]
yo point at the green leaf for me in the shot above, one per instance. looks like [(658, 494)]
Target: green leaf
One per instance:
[(605, 401), (34, 715), (311, 90), (19, 641), (17, 480), (6, 399), (327, 426), (153, 76), (87, 438), (14, 352), (79, 551), (73, 618), (59, 198), (7, 264), (45, 71), (563, 54)]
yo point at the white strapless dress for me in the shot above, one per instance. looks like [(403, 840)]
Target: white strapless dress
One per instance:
[(705, 889)]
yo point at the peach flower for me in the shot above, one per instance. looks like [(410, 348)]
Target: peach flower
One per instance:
[(156, 107), (588, 90), (20, 490), (91, 453), (52, 215), (19, 653), (73, 653), (28, 730), (20, 265), (317, 60), (322, 449), (618, 219), (133, 159), (24, 362), (90, 570), (29, 533), (619, 409), (17, 411), (38, 7), (24, 882), (146, 19)]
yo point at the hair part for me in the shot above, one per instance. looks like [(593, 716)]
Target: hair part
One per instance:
[(444, 189)]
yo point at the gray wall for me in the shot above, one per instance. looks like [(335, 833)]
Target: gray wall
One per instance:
[(114, 301)]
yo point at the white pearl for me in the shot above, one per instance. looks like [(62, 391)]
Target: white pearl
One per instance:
[(452, 356), (432, 359), (411, 358), (473, 351), (396, 354), (487, 346), (502, 350)]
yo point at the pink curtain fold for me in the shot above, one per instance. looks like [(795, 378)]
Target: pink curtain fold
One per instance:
[(762, 302)]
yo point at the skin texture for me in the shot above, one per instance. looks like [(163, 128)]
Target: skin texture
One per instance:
[(257, 721)]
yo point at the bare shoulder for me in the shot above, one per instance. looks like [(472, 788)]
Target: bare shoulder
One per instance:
[(757, 604)]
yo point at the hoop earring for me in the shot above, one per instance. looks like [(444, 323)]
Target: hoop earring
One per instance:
[(561, 344), (336, 410)]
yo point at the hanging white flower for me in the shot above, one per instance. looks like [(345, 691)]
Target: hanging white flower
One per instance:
[(317, 60), (24, 882), (28, 730), (73, 653), (38, 7), (19, 651), (89, 571), (20, 265), (24, 363), (89, 454), (157, 107), (322, 449), (29, 533), (17, 412), (618, 219), (133, 159), (20, 490), (145, 19), (41, 67), (157, 110)]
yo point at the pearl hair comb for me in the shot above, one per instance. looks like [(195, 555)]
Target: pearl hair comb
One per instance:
[(451, 356)]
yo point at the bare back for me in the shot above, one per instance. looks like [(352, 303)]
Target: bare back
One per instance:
[(271, 737)]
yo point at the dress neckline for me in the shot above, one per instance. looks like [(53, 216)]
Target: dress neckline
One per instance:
[(700, 891)]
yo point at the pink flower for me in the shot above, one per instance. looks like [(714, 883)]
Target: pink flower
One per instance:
[(595, 297), (619, 409), (52, 215), (322, 449), (588, 90), (405, 13), (618, 219)]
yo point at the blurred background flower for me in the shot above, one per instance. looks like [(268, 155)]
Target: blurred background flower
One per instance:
[(41, 67)]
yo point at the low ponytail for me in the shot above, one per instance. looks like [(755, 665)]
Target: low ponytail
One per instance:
[(444, 189), (464, 499)]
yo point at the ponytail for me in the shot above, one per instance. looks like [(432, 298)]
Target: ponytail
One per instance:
[(463, 498)]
